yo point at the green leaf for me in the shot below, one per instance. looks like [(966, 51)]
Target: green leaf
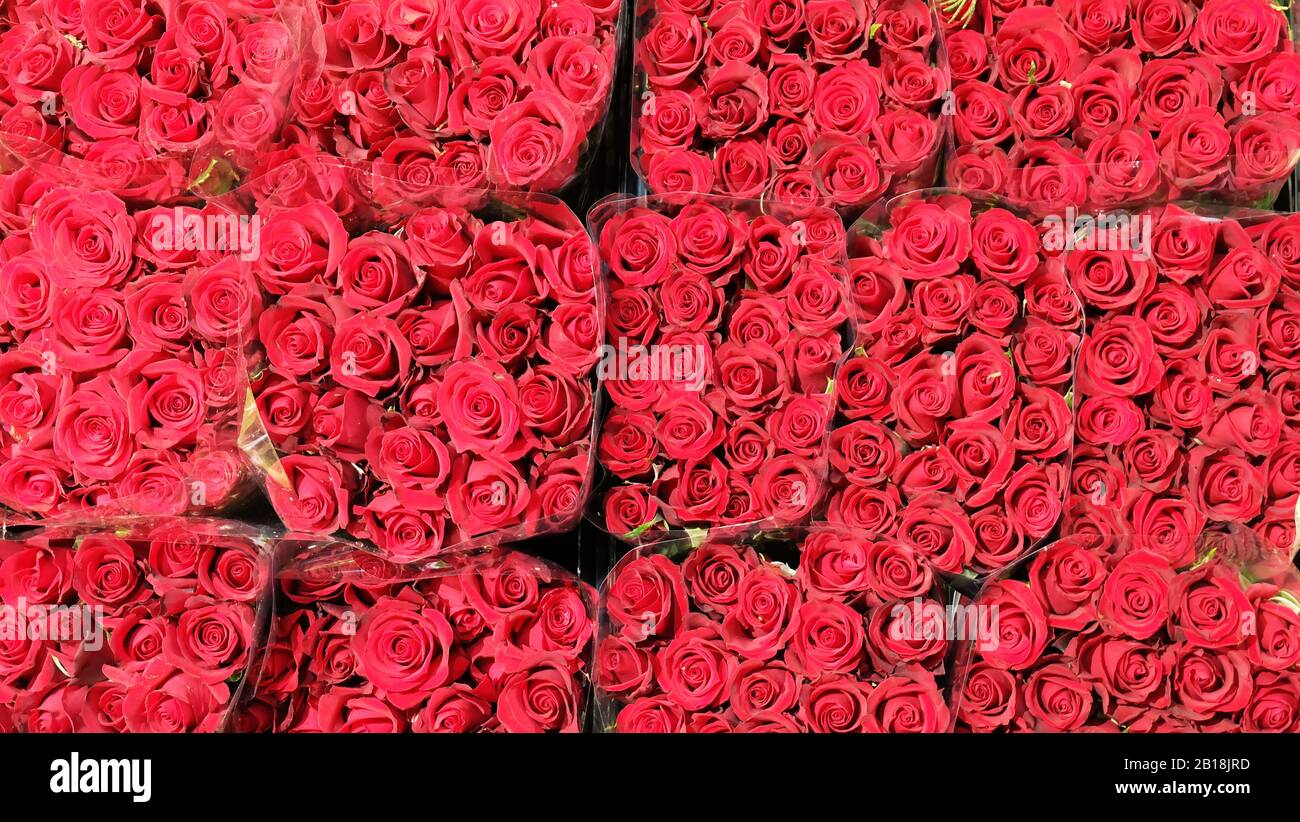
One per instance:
[(1204, 558), (207, 172), (962, 11), (640, 529), (697, 536), (1069, 399), (1033, 72), (1287, 600)]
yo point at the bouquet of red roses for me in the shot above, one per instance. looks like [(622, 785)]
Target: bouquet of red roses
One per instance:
[(825, 102), (426, 369), (120, 331), (718, 634), (1189, 377), (500, 93), (194, 83), (954, 422), (149, 625), (1116, 638), (1104, 101), (476, 642), (726, 323)]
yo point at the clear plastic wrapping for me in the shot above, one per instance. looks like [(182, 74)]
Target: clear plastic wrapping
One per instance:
[(145, 625), (1189, 377), (819, 103), (1115, 638), (202, 86), (489, 641), (493, 93), (121, 331), (821, 629), (727, 319), (1094, 103), (955, 419), (425, 378)]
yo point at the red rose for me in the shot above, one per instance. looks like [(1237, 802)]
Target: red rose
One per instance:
[(990, 699), (1135, 598), (834, 705), (1129, 671), (405, 647), (839, 31), (672, 48), (639, 246), (543, 696), (1273, 706), (453, 709), (1263, 151), (1058, 698), (765, 616), (1225, 485), (829, 640), (163, 699), (652, 714), (936, 526), (303, 246), (1066, 578), (1211, 608), (695, 670), (713, 573), (211, 640), (1236, 33), (534, 142), (1166, 526), (1020, 625), (648, 598), (908, 702), (316, 496), (1208, 682), (1119, 358), (106, 572)]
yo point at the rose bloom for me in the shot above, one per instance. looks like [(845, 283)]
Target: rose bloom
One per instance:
[(158, 621), (497, 642), (804, 104), (830, 646), (721, 398), (428, 382), (958, 399), (218, 77), (1126, 103)]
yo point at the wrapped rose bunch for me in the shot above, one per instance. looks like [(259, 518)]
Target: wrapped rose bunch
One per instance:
[(822, 102), (1189, 381), (1107, 101), (146, 627), (716, 636), (120, 370), (124, 81), (507, 93), (725, 327), (954, 422), (1115, 638), (426, 372), (493, 642)]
